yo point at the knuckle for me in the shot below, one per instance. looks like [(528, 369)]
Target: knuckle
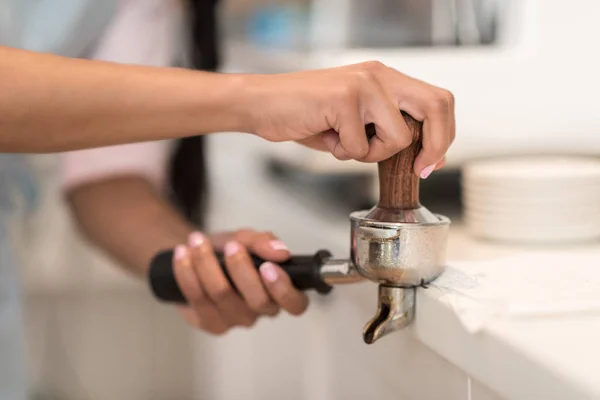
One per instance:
[(359, 150), (373, 65), (348, 92), (437, 148), (449, 96), (371, 157), (404, 140), (362, 152), (365, 76), (439, 104), (341, 155), (401, 141)]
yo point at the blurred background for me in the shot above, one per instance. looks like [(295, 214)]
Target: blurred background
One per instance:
[(519, 71)]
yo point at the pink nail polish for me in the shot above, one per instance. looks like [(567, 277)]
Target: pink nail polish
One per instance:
[(278, 245), (427, 171), (196, 239), (268, 271), (180, 252), (231, 248)]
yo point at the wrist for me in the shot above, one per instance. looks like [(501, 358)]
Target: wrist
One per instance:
[(251, 94), (230, 101)]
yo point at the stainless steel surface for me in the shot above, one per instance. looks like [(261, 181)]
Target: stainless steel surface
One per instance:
[(395, 311), (398, 253), (339, 272)]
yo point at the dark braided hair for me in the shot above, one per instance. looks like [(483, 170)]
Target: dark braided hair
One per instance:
[(188, 173)]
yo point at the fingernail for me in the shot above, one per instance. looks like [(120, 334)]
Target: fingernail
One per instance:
[(268, 272), (278, 245), (196, 239), (180, 252), (231, 248), (427, 171)]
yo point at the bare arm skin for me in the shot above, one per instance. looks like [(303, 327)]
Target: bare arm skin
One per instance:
[(127, 218), (50, 103)]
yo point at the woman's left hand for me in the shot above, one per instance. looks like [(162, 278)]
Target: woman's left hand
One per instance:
[(214, 305)]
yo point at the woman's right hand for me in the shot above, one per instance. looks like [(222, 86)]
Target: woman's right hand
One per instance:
[(329, 108), (213, 304)]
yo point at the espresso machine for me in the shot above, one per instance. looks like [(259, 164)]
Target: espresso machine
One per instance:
[(398, 244)]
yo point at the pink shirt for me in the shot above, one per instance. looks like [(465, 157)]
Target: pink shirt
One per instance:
[(142, 32)]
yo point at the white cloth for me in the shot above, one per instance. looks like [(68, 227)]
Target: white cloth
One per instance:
[(527, 285)]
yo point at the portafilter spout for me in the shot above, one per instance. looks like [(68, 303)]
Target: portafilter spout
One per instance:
[(395, 311)]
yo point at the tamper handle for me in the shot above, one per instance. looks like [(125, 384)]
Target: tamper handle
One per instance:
[(398, 184), (304, 272)]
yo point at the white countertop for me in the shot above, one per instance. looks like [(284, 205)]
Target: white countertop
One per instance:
[(547, 356)]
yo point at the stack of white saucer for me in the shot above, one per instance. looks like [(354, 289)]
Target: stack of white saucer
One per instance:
[(533, 199)]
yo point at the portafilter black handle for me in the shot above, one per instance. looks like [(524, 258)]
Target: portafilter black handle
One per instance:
[(304, 272)]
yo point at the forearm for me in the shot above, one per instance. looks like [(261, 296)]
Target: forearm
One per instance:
[(50, 103), (127, 219)]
